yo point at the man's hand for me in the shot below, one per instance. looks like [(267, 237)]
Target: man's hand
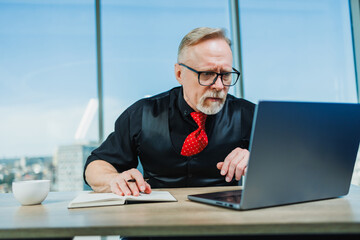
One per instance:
[(120, 185), (234, 164)]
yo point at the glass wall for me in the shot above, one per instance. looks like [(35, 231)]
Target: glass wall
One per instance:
[(47, 78), (297, 50), (291, 50), (48, 75), (140, 42)]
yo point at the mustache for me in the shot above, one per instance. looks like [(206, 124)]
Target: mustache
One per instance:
[(214, 94)]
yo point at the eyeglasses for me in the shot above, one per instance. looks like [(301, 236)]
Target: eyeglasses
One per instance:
[(208, 78)]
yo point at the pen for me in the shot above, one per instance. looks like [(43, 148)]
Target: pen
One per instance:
[(134, 180)]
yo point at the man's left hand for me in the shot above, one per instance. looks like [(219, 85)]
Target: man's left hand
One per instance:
[(234, 164)]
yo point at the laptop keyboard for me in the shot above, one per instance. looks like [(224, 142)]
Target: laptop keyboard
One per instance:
[(231, 196)]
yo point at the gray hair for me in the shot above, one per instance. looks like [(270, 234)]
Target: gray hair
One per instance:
[(198, 35)]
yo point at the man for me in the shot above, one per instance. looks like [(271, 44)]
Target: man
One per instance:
[(190, 136)]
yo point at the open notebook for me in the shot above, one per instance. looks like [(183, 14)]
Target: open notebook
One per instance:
[(92, 199)]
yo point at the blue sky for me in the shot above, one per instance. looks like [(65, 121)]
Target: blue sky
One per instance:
[(292, 50)]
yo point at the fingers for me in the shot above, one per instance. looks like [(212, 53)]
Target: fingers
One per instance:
[(234, 164), (147, 188), (227, 161), (116, 189), (241, 168), (139, 181), (121, 185), (124, 185), (232, 168), (133, 188)]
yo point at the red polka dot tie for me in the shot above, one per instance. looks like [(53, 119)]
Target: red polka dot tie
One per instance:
[(196, 141)]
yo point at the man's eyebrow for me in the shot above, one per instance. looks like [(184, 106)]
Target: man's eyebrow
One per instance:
[(214, 69)]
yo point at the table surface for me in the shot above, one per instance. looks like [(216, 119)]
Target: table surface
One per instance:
[(182, 218)]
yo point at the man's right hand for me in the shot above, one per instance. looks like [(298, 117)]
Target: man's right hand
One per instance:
[(103, 177), (120, 184)]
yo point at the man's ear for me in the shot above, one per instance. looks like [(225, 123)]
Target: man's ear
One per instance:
[(178, 73)]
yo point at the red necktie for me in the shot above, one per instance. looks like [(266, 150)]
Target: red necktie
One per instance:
[(196, 141)]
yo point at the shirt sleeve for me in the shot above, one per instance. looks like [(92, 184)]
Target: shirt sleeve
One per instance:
[(119, 149)]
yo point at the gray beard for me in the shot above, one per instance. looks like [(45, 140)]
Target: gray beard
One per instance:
[(213, 108)]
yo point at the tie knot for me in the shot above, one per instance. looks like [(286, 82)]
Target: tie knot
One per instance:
[(199, 118)]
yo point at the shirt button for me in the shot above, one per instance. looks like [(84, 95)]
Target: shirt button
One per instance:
[(186, 112)]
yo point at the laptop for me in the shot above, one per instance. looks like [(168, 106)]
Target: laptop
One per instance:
[(299, 152)]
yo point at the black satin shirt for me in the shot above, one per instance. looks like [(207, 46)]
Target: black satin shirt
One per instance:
[(121, 148)]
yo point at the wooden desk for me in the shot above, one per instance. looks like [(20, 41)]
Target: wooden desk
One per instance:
[(182, 218)]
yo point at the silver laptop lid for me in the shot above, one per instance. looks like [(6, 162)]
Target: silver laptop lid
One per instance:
[(314, 145)]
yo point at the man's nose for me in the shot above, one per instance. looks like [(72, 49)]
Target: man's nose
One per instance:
[(218, 84)]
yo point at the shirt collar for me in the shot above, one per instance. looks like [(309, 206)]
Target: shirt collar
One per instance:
[(185, 109)]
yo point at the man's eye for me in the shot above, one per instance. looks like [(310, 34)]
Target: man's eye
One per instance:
[(209, 74), (228, 74)]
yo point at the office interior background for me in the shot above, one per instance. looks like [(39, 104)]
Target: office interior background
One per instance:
[(69, 68)]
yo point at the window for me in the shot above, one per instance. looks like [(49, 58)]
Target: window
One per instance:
[(48, 76), (140, 42), (297, 50)]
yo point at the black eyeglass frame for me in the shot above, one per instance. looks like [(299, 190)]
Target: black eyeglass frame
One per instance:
[(217, 75)]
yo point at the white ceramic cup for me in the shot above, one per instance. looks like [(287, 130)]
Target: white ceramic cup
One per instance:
[(31, 192)]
